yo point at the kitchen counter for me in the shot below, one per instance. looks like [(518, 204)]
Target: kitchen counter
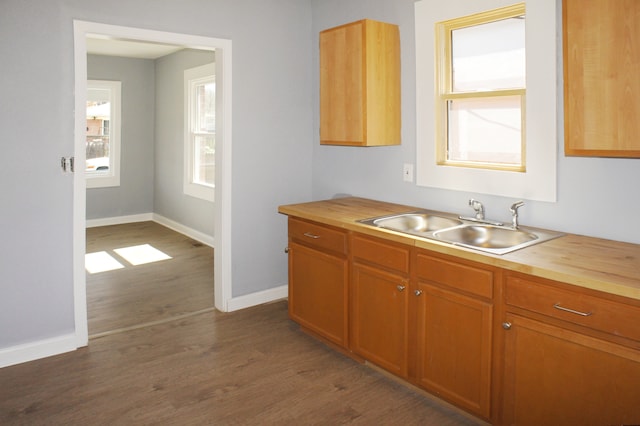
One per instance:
[(598, 264)]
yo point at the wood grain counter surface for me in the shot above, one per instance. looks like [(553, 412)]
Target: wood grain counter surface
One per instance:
[(604, 265)]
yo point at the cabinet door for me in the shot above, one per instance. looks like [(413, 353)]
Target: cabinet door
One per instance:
[(554, 376), (318, 292), (360, 84), (454, 347), (379, 318), (602, 88), (341, 85)]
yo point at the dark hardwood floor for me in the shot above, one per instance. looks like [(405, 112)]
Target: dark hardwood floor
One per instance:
[(250, 367)]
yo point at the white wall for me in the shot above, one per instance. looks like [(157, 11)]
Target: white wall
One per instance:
[(595, 195)]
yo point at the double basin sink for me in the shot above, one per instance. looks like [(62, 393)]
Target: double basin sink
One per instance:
[(486, 237)]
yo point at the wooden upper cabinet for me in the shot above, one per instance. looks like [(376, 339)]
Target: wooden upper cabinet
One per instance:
[(360, 84), (602, 77)]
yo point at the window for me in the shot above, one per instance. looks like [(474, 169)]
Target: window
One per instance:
[(103, 133), (200, 131), (473, 137), (480, 62)]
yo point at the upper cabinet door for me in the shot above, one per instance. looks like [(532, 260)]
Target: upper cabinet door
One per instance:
[(602, 77), (360, 84)]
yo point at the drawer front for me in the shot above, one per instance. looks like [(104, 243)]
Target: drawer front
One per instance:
[(457, 275), (585, 310), (380, 253), (318, 235)]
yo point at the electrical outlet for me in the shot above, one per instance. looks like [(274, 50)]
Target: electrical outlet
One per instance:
[(407, 172)]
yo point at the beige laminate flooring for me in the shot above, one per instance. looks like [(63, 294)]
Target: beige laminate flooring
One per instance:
[(135, 296)]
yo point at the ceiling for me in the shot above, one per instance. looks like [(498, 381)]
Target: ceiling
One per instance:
[(129, 48)]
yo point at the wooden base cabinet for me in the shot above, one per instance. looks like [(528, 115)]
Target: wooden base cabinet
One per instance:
[(565, 357), (379, 303), (554, 376), (318, 277), (454, 332)]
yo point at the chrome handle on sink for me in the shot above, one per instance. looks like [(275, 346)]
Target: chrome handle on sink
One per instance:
[(572, 311)]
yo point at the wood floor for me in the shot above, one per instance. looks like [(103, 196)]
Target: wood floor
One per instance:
[(250, 367), (138, 295)]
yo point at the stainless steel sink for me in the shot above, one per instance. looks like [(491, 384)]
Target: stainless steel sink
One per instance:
[(490, 238), (415, 222), (495, 239)]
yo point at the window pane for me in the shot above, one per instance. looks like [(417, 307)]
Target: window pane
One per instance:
[(204, 167), (489, 56), (97, 141), (205, 107), (486, 130)]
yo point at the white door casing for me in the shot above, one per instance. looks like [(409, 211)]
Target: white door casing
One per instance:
[(222, 220)]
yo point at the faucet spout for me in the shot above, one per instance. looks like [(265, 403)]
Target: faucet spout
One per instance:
[(514, 212), (478, 207)]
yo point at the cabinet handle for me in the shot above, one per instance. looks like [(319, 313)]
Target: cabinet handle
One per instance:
[(286, 249), (401, 287), (310, 235), (562, 308), (417, 292), (506, 325)]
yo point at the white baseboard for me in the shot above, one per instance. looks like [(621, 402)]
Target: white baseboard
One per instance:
[(36, 350), (145, 217), (258, 298), (119, 220), (185, 230)]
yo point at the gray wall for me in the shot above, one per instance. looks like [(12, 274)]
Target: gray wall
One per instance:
[(276, 155), (170, 200), (271, 141), (135, 193), (593, 193)]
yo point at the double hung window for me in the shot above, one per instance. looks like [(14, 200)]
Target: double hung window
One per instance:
[(480, 80), (103, 133), (200, 131)]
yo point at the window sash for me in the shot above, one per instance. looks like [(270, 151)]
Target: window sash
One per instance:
[(448, 152)]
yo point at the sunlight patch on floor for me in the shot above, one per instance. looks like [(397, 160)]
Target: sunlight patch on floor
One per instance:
[(101, 262), (139, 255), (136, 255)]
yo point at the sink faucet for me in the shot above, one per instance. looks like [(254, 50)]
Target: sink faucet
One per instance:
[(514, 212), (478, 207)]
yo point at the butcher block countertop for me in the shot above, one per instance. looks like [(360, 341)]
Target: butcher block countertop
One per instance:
[(604, 265)]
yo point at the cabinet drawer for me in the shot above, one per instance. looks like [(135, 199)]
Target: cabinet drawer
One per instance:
[(599, 314), (461, 276), (381, 253), (317, 235)]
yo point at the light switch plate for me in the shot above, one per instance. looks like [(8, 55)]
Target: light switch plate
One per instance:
[(407, 172)]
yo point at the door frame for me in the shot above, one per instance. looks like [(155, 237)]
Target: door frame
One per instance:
[(222, 221)]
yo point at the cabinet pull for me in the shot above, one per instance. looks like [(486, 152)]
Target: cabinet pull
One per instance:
[(400, 287), (286, 249), (562, 308), (310, 235), (506, 325), (417, 292)]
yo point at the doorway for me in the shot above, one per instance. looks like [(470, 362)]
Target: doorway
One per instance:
[(222, 237)]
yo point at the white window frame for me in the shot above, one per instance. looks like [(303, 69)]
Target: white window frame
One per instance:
[(538, 182), (110, 178), (193, 76)]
